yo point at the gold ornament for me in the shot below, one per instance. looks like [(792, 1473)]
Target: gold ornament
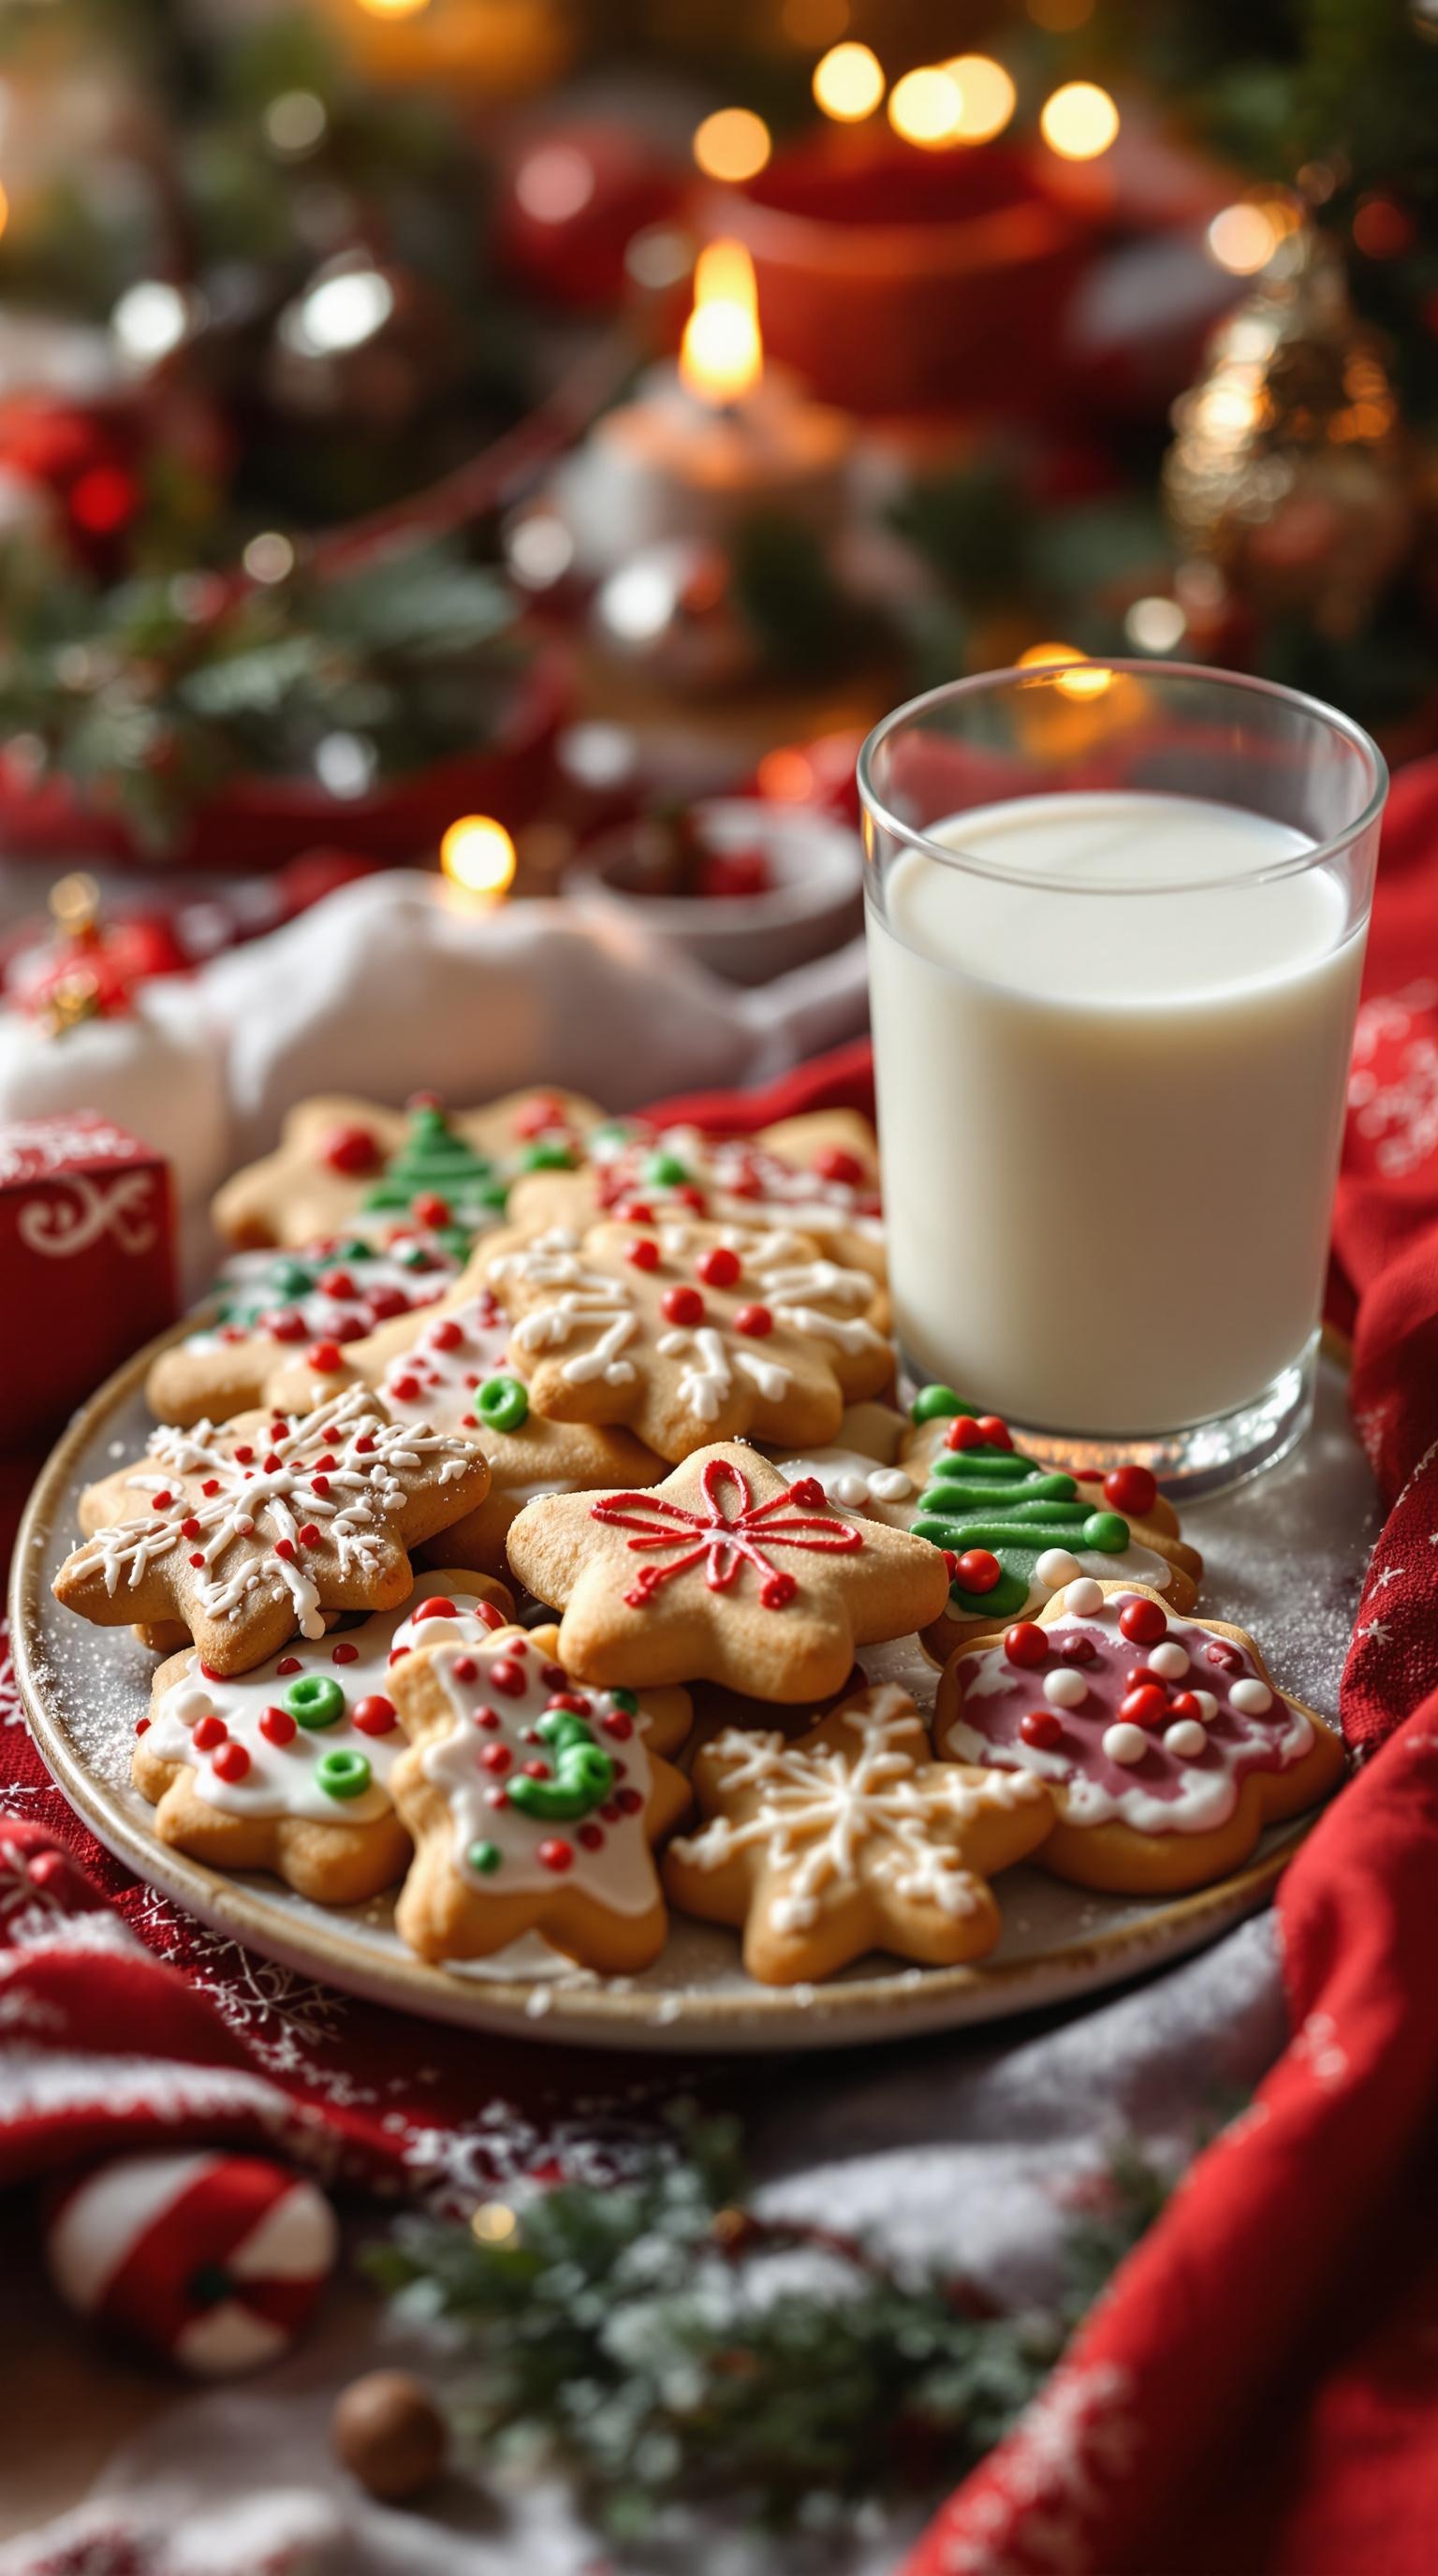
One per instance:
[(1290, 471)]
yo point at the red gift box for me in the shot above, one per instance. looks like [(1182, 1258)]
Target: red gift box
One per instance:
[(87, 1262)]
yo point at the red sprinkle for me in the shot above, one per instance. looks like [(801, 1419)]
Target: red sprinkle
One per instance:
[(244, 1454), (574, 1701), (387, 1302), (619, 1724), (289, 1327), (364, 1444), (1185, 1704), (554, 1854), (324, 1358), (689, 1197), (345, 1655), (1076, 1650), (465, 1668), (682, 1306), (231, 1762), (496, 1797), (507, 1677), (963, 1433), (1042, 1726), (835, 1164), (808, 1492), (289, 1664), (628, 1801), (338, 1283), (428, 1209), (277, 1723), (994, 1433), (634, 1212), (142, 1726), (1131, 1489), (592, 1837), (488, 1718), (536, 1770), (1144, 1622), (1226, 1657), (211, 1484), (1026, 1643), (1138, 1674), (285, 1547), (210, 1730), (350, 1149), (310, 1534), (273, 1463), (197, 1559), (977, 1570), (404, 1389), (438, 1606), (718, 1267), (160, 1502), (495, 1757), (756, 1321), (643, 1253), (1147, 1706), (486, 1612), (447, 1335), (319, 1485)]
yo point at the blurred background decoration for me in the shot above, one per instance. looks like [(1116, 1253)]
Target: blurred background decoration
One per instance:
[(421, 411)]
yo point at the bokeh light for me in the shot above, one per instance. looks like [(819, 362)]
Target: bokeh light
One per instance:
[(849, 83), (1243, 239), (1155, 625), (1088, 682), (925, 106), (732, 144), (1079, 121), (478, 854), (987, 96)]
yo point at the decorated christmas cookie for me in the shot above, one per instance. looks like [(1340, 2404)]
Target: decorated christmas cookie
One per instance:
[(725, 1572), (347, 1165), (271, 1305), (851, 1838), (251, 1531), (1164, 1740), (818, 1175), (861, 1470), (1017, 1532), (535, 1802), (288, 1767), (454, 1370), (692, 1332)]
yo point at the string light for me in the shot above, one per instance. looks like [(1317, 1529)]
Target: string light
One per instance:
[(732, 144), (1079, 121), (554, 183), (987, 97), (478, 854), (925, 106), (849, 83), (1090, 681)]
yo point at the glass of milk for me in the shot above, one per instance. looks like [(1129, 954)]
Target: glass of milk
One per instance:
[(1116, 917)]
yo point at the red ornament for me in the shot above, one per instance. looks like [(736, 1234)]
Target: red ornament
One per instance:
[(1027, 1643), (574, 197), (976, 1570), (1131, 1490), (87, 1262), (682, 1306), (719, 1267), (1143, 1622), (1042, 1726)]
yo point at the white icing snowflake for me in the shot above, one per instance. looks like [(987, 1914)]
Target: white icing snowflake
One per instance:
[(277, 1493), (829, 1814), (587, 1301)]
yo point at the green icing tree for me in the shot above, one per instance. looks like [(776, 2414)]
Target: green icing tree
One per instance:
[(1000, 1500), (435, 1162)]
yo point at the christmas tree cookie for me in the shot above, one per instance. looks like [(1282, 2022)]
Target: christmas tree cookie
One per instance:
[(1163, 1740), (345, 1165), (535, 1802), (1015, 1532), (288, 1767)]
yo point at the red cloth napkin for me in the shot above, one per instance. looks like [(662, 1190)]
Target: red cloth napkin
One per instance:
[(1259, 2392)]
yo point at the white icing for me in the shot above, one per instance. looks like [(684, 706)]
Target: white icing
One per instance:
[(619, 1873), (854, 1483), (281, 1779), (1132, 1565), (446, 1378), (323, 1315), (706, 1381), (824, 1817), (365, 1488)]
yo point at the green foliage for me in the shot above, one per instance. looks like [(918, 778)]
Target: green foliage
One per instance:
[(666, 2348)]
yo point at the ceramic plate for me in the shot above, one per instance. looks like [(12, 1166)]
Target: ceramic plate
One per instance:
[(1284, 1557)]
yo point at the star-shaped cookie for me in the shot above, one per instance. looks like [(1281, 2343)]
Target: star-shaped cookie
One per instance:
[(851, 1838), (344, 1163), (454, 1369), (690, 1332), (535, 1802), (725, 1572), (287, 1767), (816, 1175), (248, 1532)]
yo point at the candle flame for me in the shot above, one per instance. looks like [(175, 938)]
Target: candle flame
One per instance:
[(477, 853), (722, 357)]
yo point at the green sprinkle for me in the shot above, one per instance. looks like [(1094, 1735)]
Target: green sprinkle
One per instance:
[(501, 1404), (356, 1249), (1107, 1531), (343, 1772), (493, 1194), (627, 1701), (547, 1158), (291, 1279), (613, 1132), (484, 1857), (455, 1241), (665, 1171), (933, 1403), (316, 1699)]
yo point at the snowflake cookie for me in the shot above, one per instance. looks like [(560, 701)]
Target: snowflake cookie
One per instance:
[(1017, 1531), (851, 1838), (725, 1572), (817, 1175), (249, 1532), (1164, 1741), (346, 1165), (287, 1767), (535, 1803), (268, 1305), (691, 1332), (454, 1369)]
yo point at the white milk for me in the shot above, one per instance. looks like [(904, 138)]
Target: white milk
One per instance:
[(1110, 1122)]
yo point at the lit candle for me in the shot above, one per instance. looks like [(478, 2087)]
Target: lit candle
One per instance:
[(711, 442), (477, 855)]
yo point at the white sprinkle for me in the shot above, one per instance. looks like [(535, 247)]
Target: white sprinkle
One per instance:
[(1056, 1567), (1065, 1688), (1169, 1660), (1185, 1739), (1207, 1706), (1125, 1743), (1083, 1598), (1251, 1698)]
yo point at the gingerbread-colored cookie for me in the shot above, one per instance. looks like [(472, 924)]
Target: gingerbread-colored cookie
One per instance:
[(535, 1803), (1164, 1739), (860, 1469), (271, 1305), (247, 1532), (1017, 1531), (724, 1572), (454, 1369), (851, 1838), (345, 1165), (287, 1768), (816, 1175), (691, 1333)]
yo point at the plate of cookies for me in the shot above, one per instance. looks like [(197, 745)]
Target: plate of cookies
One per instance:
[(524, 1594)]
